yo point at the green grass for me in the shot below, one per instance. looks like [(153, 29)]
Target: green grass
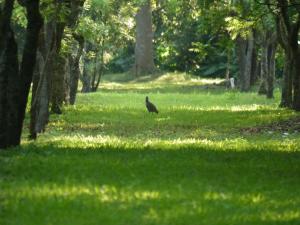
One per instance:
[(106, 161)]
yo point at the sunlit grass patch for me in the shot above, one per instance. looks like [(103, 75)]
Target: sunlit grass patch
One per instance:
[(106, 160)]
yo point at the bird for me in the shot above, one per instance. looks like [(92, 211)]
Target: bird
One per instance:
[(150, 106)]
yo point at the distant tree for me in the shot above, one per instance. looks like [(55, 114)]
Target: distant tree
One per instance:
[(268, 50), (105, 27), (144, 57)]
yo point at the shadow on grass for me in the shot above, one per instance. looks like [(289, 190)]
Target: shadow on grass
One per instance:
[(113, 185)]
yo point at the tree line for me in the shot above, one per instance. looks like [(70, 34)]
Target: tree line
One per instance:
[(48, 46)]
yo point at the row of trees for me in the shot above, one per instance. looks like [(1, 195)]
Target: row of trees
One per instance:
[(53, 44)]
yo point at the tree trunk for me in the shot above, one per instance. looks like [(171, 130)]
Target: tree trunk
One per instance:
[(288, 26), (245, 57), (254, 67), (271, 68), (264, 69), (296, 81), (15, 84), (57, 78), (47, 75), (39, 112), (9, 81), (85, 79), (269, 45), (287, 85), (98, 69), (144, 59), (75, 71), (57, 84)]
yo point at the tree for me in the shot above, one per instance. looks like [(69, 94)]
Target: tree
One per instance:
[(105, 27), (48, 83), (15, 83), (287, 18), (269, 45), (144, 58)]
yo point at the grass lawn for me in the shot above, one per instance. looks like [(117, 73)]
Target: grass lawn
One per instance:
[(106, 161)]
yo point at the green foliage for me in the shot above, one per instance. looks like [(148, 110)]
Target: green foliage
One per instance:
[(19, 16), (53, 10), (107, 28)]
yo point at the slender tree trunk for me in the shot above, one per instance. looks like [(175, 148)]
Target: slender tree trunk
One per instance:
[(101, 69), (95, 74), (85, 79), (144, 58), (287, 85), (67, 80), (269, 45), (254, 67), (271, 68), (296, 81), (264, 69), (75, 71)]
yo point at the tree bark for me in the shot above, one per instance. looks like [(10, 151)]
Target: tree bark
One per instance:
[(75, 71), (287, 20), (39, 112), (296, 81), (287, 84), (269, 44), (144, 59), (15, 83), (86, 79), (245, 57)]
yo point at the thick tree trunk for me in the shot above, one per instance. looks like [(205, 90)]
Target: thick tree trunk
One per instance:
[(245, 57), (47, 74), (15, 84), (144, 59), (9, 81), (39, 112), (57, 79), (288, 26)]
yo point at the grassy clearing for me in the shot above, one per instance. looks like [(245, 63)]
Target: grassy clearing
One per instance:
[(107, 161)]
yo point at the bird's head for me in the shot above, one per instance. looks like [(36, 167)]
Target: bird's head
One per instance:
[(147, 99)]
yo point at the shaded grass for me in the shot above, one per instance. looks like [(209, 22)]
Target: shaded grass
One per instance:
[(107, 161)]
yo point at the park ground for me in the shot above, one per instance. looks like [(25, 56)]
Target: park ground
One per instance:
[(211, 156)]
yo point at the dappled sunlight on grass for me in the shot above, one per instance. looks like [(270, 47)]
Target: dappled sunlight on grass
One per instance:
[(103, 193), (94, 142), (106, 160)]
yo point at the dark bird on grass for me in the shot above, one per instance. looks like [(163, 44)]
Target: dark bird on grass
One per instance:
[(150, 106)]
